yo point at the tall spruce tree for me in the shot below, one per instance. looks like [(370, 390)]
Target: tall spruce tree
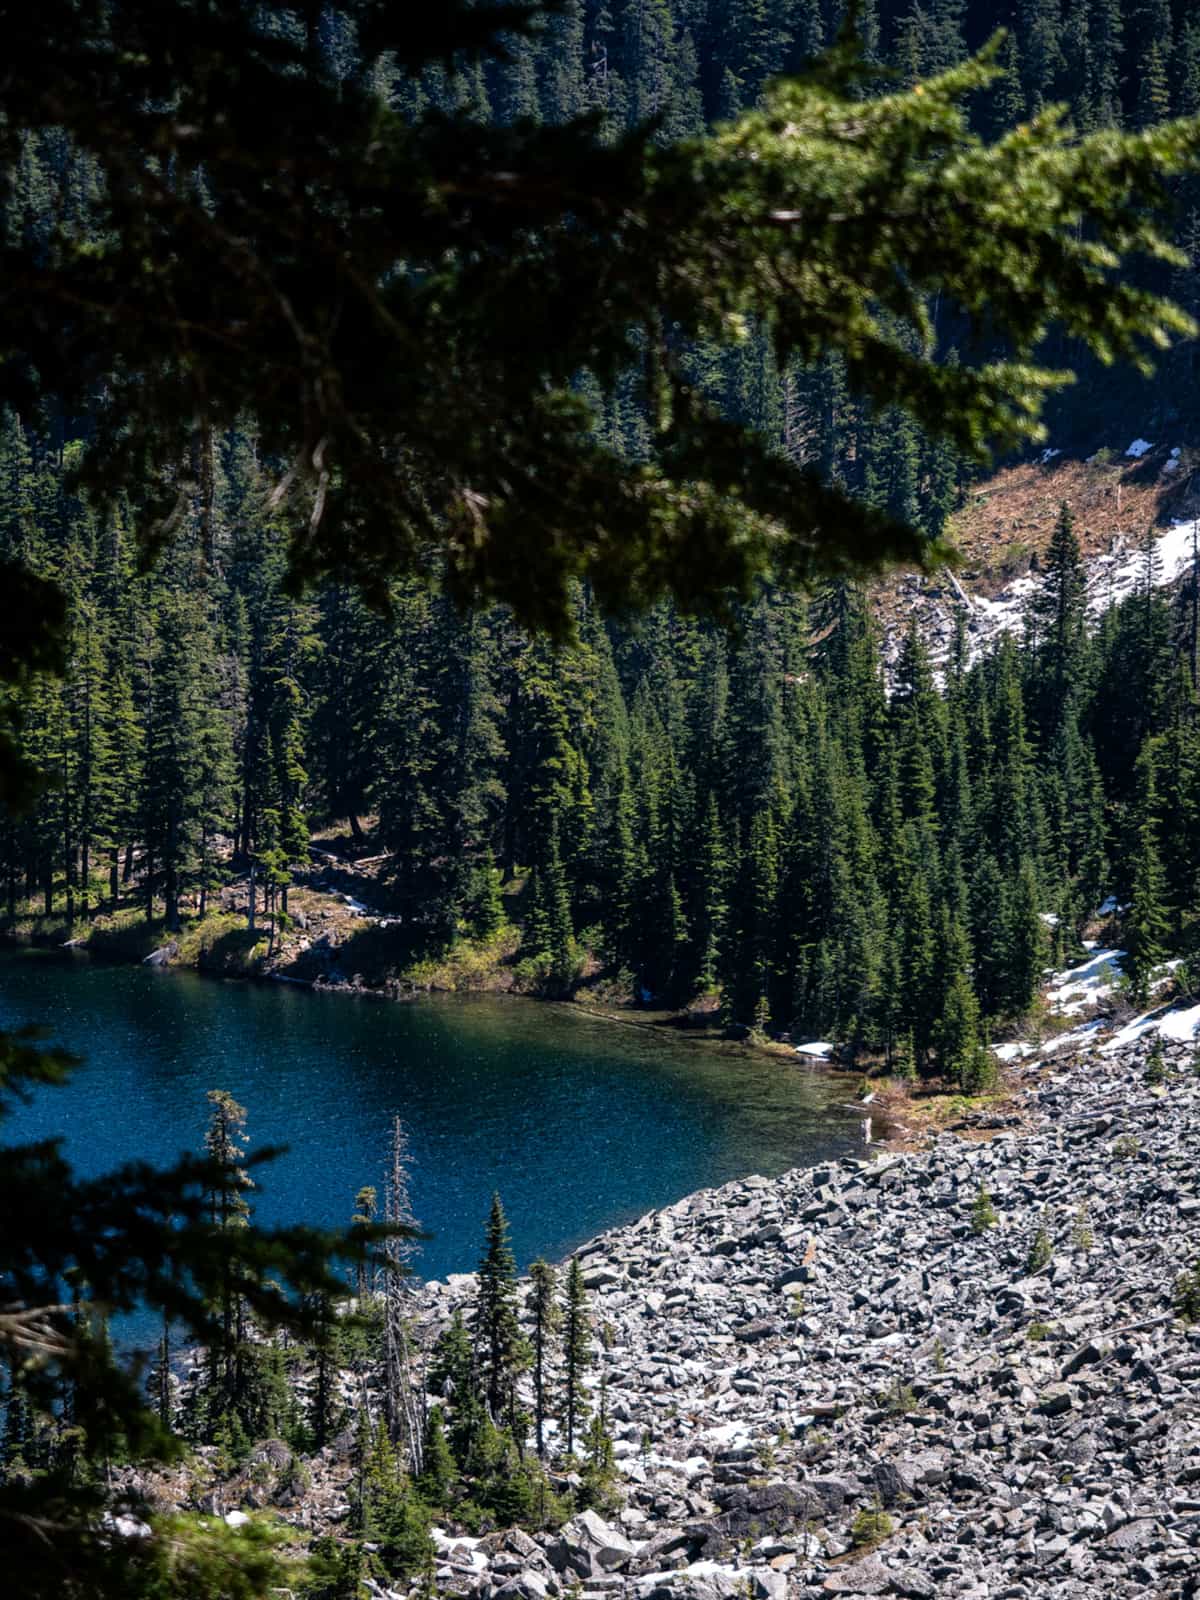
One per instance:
[(496, 1328)]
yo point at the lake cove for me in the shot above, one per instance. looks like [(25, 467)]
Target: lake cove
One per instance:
[(580, 1124)]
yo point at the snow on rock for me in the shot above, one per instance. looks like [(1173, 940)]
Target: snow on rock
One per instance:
[(1013, 1051), (819, 1048), (1109, 906), (1138, 448), (1115, 576), (1129, 1034), (1080, 988)]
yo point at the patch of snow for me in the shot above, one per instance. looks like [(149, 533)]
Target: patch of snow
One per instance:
[(1012, 1052), (1079, 988), (1084, 1034), (1182, 1026), (356, 907), (724, 1434), (1050, 918), (1114, 577), (1139, 448), (1130, 1033), (1109, 906), (819, 1048), (1049, 455), (236, 1519), (1111, 577)]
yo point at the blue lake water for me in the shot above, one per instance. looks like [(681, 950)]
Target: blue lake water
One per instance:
[(580, 1123)]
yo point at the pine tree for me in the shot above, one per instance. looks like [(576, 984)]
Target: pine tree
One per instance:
[(438, 1472), (1024, 941), (452, 1370), (496, 1329), (225, 1147), (323, 1401), (1146, 923), (962, 1056), (577, 1355), (1059, 619)]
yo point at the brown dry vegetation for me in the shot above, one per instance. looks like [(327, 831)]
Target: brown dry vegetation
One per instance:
[(1004, 526)]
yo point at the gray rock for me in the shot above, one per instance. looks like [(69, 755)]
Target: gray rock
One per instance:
[(868, 1576), (588, 1545), (913, 1585)]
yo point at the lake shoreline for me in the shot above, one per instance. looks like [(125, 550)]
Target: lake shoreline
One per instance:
[(669, 1026)]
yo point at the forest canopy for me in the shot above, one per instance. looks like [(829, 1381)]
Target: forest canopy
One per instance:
[(421, 313)]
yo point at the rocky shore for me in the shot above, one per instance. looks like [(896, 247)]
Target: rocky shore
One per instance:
[(835, 1382)]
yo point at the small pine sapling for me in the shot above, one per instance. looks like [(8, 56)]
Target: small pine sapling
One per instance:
[(1156, 1065), (1187, 1295), (1041, 1251), (983, 1213), (871, 1527), (1082, 1235)]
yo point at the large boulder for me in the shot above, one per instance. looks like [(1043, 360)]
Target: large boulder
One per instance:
[(589, 1547)]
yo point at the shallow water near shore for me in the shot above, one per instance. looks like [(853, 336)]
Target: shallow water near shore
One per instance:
[(580, 1123)]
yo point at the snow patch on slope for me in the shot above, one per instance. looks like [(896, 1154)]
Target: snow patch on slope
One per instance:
[(1080, 988), (1178, 1025), (1111, 577)]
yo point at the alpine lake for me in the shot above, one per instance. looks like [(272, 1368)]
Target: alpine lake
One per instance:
[(581, 1123)]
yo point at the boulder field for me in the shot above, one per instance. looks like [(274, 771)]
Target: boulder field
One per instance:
[(838, 1382)]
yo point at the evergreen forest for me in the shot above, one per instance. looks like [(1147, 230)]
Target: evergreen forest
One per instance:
[(747, 812), (759, 815)]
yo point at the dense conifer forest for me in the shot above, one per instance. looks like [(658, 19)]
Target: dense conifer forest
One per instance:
[(746, 812), (756, 815)]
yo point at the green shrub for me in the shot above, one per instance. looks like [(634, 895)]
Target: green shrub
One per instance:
[(871, 1527), (983, 1213), (1041, 1251)]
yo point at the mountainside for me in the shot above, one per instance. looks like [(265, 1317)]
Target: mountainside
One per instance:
[(1004, 529)]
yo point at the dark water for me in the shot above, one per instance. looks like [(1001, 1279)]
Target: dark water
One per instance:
[(579, 1123)]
